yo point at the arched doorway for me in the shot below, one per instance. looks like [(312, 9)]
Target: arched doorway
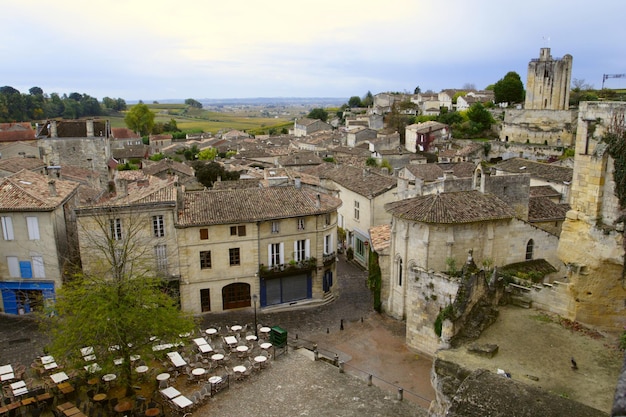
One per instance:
[(236, 295)]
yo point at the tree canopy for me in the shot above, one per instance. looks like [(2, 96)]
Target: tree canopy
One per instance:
[(208, 173), (509, 89), (318, 113), (193, 103), (118, 306), (140, 119)]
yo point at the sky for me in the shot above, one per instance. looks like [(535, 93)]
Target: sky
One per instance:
[(158, 50)]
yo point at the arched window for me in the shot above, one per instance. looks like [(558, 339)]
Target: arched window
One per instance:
[(399, 272), (529, 250)]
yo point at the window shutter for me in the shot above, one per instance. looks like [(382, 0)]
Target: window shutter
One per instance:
[(282, 253), (307, 248), (14, 266), (33, 228), (7, 228), (269, 255), (295, 250), (38, 267)]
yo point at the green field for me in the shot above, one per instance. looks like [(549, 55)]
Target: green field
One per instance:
[(196, 120)]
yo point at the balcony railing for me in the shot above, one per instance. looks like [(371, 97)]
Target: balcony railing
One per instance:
[(290, 268), (329, 258)]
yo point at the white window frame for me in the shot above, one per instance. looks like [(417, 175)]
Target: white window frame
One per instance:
[(328, 244), (158, 226), (7, 228), (301, 223), (275, 254), (116, 228), (357, 210), (32, 224), (275, 227), (39, 270), (301, 250)]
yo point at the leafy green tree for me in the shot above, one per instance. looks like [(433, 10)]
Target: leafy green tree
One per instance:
[(208, 173), (171, 126), (398, 121), (157, 156), (12, 108), (509, 89), (368, 100), (371, 162), (319, 114), (450, 118), (207, 154), (140, 119), (481, 116), (355, 101), (118, 306), (193, 103), (417, 90)]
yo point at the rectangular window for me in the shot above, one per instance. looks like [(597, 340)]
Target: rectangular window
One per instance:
[(274, 254), (33, 228), (275, 228), (38, 267), (360, 248), (14, 266), (205, 259), (301, 223), (237, 230), (116, 229), (327, 219), (26, 269), (300, 252), (204, 234), (328, 244), (160, 253), (357, 207), (7, 228), (205, 299), (233, 256), (158, 227)]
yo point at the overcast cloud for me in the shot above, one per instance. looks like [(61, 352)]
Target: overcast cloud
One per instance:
[(158, 49)]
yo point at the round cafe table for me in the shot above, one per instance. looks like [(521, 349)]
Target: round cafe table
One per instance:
[(152, 412), (236, 328), (163, 377), (99, 397), (242, 348), (266, 345), (260, 358), (109, 377), (211, 331), (215, 379), (251, 337), (217, 357), (198, 371), (141, 369), (239, 368), (123, 406)]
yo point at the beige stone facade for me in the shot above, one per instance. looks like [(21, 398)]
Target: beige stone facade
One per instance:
[(591, 244), (548, 82)]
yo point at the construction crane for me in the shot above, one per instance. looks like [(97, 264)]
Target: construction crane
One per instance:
[(607, 76)]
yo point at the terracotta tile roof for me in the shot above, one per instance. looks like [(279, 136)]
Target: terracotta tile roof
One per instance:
[(29, 191), (536, 169), (123, 133), (362, 181), (144, 190), (249, 205), (300, 158), (18, 163), (236, 185), (543, 191), (78, 174), (135, 151), (380, 237), (451, 208), (426, 172), (542, 209), (459, 169), (14, 132), (169, 165)]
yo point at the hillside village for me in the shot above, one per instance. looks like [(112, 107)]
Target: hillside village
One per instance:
[(453, 229)]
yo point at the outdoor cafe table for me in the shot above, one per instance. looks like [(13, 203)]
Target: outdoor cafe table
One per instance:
[(239, 368), (217, 357), (231, 340), (123, 406), (176, 359), (59, 377), (215, 379), (211, 331), (200, 341), (7, 377), (170, 392), (141, 369), (242, 348), (47, 359), (182, 401), (163, 377), (109, 377), (260, 359), (198, 371), (266, 345), (6, 369), (251, 337), (152, 412), (265, 330), (236, 328), (205, 348), (19, 388), (50, 365)]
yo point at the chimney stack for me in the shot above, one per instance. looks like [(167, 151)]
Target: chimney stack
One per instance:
[(318, 203), (52, 188)]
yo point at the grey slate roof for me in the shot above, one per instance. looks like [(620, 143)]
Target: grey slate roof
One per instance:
[(536, 169), (541, 209), (252, 204), (451, 208)]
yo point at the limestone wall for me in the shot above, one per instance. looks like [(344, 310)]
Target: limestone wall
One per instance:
[(534, 152), (551, 127)]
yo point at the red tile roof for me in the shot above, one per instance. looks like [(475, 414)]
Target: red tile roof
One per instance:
[(29, 191), (14, 132)]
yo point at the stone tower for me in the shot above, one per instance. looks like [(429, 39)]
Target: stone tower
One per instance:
[(548, 83)]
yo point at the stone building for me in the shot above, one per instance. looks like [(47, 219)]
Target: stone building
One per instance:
[(592, 238), (306, 126), (548, 82), (38, 242), (420, 136), (546, 118), (276, 243)]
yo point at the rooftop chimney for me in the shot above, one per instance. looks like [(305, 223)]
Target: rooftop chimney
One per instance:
[(318, 203), (52, 188)]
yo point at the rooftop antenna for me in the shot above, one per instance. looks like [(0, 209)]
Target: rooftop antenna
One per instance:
[(607, 76)]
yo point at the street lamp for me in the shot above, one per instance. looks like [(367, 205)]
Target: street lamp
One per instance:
[(256, 332)]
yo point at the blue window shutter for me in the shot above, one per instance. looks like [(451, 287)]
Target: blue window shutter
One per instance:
[(26, 269)]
